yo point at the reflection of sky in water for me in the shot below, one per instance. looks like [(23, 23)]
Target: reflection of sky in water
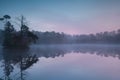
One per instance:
[(75, 67), (66, 62)]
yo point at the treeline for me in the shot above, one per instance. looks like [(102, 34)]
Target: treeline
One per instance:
[(61, 38), (112, 37)]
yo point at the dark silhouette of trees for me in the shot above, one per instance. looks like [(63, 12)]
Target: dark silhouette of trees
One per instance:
[(6, 17), (25, 37), (112, 37), (13, 38)]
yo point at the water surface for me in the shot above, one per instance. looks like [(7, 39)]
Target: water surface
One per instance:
[(61, 62)]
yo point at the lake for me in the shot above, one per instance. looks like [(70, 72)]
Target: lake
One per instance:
[(61, 62)]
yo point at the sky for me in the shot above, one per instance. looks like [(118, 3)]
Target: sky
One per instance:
[(68, 16)]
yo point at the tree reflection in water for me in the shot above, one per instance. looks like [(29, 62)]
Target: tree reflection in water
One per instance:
[(20, 57), (60, 50), (25, 58)]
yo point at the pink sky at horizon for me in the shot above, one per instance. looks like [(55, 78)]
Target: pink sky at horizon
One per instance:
[(68, 16)]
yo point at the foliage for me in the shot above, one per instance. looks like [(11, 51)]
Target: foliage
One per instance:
[(13, 38), (6, 17), (112, 37), (24, 37)]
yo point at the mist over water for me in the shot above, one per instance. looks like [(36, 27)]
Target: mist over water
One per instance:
[(59, 39), (61, 62)]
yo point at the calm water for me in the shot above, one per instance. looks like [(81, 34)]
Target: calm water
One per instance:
[(61, 62)]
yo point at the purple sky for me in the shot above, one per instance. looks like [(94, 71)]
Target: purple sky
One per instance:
[(68, 16)]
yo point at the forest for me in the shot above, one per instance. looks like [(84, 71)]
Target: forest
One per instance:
[(11, 37), (112, 37)]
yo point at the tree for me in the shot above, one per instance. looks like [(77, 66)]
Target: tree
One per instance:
[(6, 17), (13, 38)]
